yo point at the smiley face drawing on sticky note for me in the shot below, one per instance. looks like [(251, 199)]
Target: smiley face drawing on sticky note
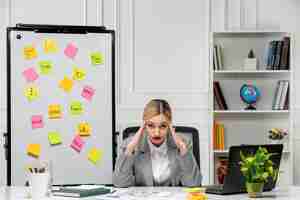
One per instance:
[(97, 58), (37, 121), (79, 74), (34, 150), (84, 129), (45, 66), (29, 52), (77, 143), (54, 111), (88, 93), (54, 138), (31, 92), (94, 155), (76, 108), (50, 46)]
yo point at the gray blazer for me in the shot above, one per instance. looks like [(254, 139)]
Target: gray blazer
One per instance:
[(136, 169)]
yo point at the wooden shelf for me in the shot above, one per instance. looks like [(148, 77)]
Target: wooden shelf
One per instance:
[(250, 111), (252, 72), (227, 151)]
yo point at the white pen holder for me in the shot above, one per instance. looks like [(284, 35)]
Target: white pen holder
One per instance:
[(39, 185)]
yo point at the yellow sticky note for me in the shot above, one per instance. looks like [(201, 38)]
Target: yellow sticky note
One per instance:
[(79, 74), (76, 108), (29, 52), (66, 84), (45, 66), (97, 58), (34, 150), (84, 129), (54, 111), (54, 138), (50, 46), (31, 92), (94, 155)]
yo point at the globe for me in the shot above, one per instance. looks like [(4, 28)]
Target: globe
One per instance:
[(250, 95)]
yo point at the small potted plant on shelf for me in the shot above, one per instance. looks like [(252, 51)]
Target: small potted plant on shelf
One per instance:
[(278, 136), (257, 169)]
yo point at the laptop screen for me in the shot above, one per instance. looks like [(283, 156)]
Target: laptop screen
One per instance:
[(234, 181)]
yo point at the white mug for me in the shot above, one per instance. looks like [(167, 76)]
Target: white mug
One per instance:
[(39, 185)]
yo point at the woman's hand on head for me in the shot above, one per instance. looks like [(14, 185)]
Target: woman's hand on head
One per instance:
[(133, 144), (179, 141)]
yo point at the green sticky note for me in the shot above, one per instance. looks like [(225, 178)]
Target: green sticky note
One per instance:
[(54, 138), (76, 108), (45, 66), (95, 155), (97, 58)]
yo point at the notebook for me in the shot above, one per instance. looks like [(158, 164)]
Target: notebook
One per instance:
[(81, 191)]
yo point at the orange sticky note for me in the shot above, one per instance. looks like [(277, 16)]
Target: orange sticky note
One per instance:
[(29, 52), (94, 155), (50, 46), (66, 84), (34, 150), (84, 129), (54, 111)]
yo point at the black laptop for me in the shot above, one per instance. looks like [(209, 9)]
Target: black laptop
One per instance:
[(234, 181)]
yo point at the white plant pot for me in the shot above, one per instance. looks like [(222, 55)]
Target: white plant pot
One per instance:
[(250, 64)]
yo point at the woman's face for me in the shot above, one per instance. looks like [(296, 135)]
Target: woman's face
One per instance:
[(157, 128)]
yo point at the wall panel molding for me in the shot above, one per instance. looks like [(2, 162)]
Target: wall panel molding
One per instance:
[(133, 94)]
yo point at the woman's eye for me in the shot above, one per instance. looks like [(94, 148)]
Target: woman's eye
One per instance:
[(150, 125), (164, 126)]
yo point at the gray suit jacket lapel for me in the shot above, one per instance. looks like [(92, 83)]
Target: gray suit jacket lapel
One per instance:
[(146, 161)]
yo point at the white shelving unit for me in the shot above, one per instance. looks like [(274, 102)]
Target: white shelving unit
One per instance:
[(250, 126)]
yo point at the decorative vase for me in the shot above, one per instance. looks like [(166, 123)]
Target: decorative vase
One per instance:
[(254, 189)]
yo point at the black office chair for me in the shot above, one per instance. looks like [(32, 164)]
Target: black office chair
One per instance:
[(188, 133)]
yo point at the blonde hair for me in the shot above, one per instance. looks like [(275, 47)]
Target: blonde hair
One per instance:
[(157, 107)]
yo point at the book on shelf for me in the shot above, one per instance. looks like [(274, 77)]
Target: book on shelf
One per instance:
[(278, 54), (218, 136), (221, 168), (281, 96), (217, 57), (219, 96)]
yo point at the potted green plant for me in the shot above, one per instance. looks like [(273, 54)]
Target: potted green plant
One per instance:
[(257, 169)]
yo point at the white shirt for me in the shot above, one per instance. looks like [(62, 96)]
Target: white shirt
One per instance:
[(160, 162)]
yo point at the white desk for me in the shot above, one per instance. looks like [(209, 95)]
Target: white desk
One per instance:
[(158, 193)]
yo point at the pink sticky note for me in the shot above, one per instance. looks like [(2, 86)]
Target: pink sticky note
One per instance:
[(88, 92), (71, 50), (37, 121), (77, 143), (30, 74)]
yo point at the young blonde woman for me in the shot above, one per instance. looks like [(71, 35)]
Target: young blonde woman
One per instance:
[(156, 155)]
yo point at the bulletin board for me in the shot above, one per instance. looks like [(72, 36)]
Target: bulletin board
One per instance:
[(61, 104)]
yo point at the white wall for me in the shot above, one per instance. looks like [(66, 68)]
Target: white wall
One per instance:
[(162, 49)]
